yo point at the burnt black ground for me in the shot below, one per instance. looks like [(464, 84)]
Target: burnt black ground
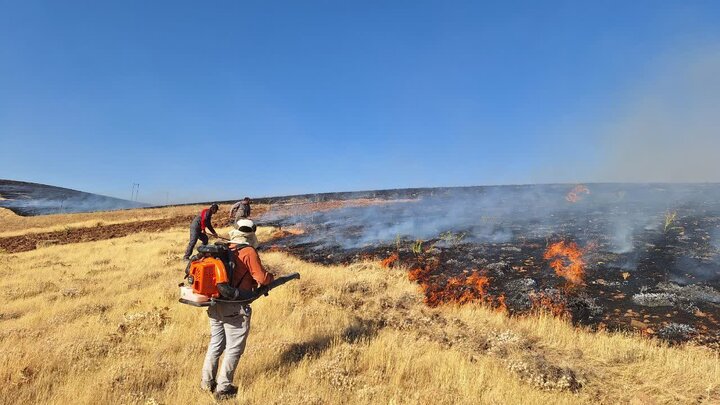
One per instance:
[(641, 273)]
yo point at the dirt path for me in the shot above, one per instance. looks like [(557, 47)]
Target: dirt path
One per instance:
[(31, 241), (24, 243)]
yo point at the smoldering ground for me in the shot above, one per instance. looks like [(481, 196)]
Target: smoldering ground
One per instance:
[(633, 239), (611, 214)]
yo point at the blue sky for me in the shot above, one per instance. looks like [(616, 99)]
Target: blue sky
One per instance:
[(217, 100)]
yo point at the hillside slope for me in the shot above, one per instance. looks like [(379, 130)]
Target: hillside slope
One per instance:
[(25, 198), (99, 322)]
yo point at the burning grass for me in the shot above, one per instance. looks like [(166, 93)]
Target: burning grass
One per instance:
[(461, 289), (473, 286), (567, 261), (390, 260), (576, 194), (593, 263)]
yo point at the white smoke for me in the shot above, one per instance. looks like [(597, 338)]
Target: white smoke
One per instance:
[(499, 214), (668, 130)]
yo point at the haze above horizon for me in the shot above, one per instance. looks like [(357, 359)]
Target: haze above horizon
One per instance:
[(199, 102)]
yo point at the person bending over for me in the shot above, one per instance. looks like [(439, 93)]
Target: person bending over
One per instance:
[(201, 222)]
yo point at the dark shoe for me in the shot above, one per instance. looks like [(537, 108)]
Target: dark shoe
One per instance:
[(208, 386), (227, 393)]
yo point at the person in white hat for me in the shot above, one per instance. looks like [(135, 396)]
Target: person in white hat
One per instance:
[(230, 322)]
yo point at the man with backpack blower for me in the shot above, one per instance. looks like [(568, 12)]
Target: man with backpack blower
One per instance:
[(197, 229), (230, 321)]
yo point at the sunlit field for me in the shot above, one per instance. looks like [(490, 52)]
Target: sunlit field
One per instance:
[(99, 322), (19, 225)]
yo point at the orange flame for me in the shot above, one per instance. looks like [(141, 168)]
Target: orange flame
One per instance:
[(464, 288), (419, 274), (567, 261), (545, 303), (389, 260), (460, 289), (501, 303), (471, 288), (575, 194)]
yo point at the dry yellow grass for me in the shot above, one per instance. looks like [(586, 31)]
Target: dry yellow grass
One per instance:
[(99, 322)]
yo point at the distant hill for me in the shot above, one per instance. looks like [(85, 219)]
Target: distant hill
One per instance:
[(40, 199)]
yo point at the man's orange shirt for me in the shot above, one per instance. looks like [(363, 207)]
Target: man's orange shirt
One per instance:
[(249, 271)]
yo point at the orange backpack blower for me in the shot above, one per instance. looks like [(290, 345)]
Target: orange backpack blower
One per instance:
[(213, 265), (205, 274)]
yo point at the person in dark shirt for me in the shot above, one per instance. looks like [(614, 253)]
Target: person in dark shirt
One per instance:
[(197, 229)]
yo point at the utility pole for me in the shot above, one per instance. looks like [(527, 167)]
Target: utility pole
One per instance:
[(135, 191)]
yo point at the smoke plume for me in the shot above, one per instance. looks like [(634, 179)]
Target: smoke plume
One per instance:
[(668, 131)]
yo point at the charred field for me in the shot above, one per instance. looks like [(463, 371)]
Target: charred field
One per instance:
[(629, 257)]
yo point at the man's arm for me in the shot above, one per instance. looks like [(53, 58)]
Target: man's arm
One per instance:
[(208, 222), (234, 209)]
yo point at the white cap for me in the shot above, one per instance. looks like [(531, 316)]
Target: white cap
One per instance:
[(245, 226)]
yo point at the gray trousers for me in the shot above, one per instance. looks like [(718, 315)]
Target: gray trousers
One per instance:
[(195, 234), (229, 328)]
